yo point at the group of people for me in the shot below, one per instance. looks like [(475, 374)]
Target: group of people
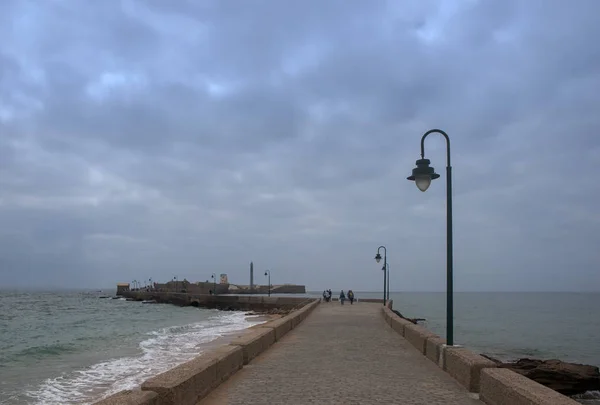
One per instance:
[(327, 295), (350, 296)]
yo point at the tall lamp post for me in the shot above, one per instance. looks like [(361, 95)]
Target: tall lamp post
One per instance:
[(422, 176), (214, 277), (388, 280), (378, 259), (175, 280), (268, 272)]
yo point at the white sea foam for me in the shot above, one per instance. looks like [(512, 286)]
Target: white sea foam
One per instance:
[(164, 349), (590, 396)]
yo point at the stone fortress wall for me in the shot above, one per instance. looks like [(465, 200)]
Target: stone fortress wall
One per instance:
[(206, 287)]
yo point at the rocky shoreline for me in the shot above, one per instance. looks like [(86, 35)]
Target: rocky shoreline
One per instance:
[(266, 312), (567, 378)]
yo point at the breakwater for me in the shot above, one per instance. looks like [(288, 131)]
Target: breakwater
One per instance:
[(222, 302), (431, 360), (495, 386)]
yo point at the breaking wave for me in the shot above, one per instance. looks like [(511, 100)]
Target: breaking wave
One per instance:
[(163, 349)]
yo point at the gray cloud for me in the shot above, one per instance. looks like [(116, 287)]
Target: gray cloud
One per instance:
[(151, 139)]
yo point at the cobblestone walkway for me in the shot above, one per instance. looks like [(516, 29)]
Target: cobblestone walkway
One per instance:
[(341, 355)]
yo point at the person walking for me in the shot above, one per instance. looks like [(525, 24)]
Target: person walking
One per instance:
[(342, 297), (351, 296)]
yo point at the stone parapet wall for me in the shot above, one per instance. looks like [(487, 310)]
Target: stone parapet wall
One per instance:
[(501, 386)]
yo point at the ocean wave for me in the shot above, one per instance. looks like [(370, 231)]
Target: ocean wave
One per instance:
[(163, 349), (40, 352)]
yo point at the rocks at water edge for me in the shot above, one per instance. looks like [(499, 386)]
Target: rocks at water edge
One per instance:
[(273, 311), (413, 320), (563, 377)]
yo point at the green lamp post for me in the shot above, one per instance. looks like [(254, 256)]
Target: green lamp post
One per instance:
[(268, 273), (422, 176), (378, 259), (387, 265)]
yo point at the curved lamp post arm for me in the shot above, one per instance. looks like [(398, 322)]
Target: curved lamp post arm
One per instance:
[(445, 135)]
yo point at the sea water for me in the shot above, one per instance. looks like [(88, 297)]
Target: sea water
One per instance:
[(75, 347), (509, 326)]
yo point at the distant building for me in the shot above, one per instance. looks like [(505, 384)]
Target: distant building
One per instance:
[(122, 287), (224, 279)]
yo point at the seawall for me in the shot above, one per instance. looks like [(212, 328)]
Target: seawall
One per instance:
[(276, 289), (189, 382), (494, 386), (223, 302)]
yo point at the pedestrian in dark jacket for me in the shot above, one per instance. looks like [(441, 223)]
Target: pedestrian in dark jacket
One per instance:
[(351, 296)]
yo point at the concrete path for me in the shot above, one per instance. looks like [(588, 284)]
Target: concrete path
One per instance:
[(341, 355)]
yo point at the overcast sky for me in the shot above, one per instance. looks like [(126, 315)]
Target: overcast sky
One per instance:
[(180, 138)]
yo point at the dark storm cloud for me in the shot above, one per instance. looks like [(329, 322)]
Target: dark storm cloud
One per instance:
[(150, 139)]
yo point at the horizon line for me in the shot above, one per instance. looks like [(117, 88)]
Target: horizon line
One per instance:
[(54, 289)]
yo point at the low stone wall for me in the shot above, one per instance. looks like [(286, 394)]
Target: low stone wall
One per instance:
[(465, 366), (434, 348), (189, 382), (501, 386), (476, 373), (417, 336), (254, 342)]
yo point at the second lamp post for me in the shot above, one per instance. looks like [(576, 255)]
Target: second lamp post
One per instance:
[(388, 281), (268, 272), (378, 259), (214, 277)]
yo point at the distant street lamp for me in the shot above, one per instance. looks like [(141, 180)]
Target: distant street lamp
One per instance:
[(214, 277), (378, 259), (388, 281), (176, 282), (268, 272), (150, 282), (422, 176)]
